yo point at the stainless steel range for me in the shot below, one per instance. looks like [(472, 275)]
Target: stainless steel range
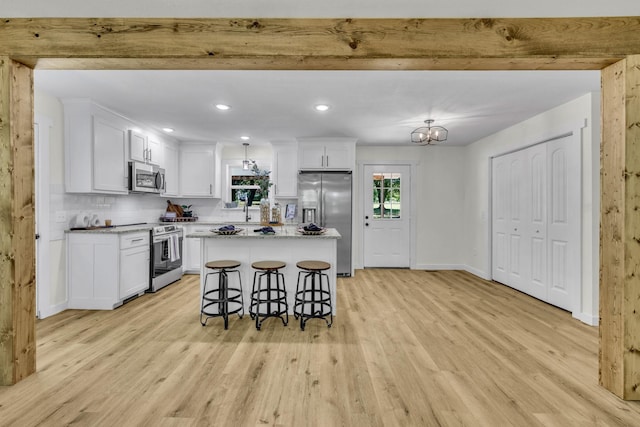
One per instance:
[(166, 256)]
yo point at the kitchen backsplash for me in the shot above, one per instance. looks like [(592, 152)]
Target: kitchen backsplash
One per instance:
[(131, 208)]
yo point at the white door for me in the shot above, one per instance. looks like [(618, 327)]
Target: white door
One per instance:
[(536, 220), (563, 158), (387, 226), (510, 223), (536, 230)]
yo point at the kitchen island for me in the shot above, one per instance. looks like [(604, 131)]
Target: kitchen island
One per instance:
[(287, 245)]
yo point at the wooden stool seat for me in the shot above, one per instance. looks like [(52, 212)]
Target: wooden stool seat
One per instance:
[(313, 265), (268, 265), (223, 263)]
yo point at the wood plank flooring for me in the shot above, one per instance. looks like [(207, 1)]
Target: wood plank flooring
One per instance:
[(407, 348)]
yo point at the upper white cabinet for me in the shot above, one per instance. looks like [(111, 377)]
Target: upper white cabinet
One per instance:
[(197, 170), (326, 153), (137, 146), (95, 149), (171, 170), (155, 152), (285, 169), (144, 148)]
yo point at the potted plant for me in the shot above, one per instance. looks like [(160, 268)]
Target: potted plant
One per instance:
[(264, 182)]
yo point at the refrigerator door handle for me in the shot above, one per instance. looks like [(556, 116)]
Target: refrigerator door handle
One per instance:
[(322, 202)]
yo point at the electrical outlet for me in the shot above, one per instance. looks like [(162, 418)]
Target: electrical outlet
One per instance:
[(61, 216)]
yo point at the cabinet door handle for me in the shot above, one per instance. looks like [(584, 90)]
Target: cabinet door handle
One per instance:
[(137, 240), (327, 160), (322, 161), (150, 154), (144, 153), (210, 188)]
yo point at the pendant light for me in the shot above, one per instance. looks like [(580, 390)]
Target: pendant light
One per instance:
[(246, 163), (429, 135)]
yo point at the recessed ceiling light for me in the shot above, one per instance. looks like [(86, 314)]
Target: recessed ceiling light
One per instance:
[(223, 107), (168, 130), (321, 107), (245, 138)]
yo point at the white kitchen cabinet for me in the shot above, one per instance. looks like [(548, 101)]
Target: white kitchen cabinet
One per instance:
[(104, 269), (171, 169), (197, 170), (144, 148), (109, 163), (137, 146), (285, 169), (155, 152), (191, 248), (326, 153), (95, 149), (134, 264)]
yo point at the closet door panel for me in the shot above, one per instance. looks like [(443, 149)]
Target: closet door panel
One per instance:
[(564, 221), (537, 226)]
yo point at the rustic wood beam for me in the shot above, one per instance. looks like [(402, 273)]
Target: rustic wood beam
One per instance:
[(463, 44), (620, 230), (17, 244)]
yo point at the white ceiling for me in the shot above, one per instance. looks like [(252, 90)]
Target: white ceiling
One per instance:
[(375, 107)]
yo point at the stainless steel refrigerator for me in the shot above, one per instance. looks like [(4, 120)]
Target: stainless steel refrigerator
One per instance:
[(325, 199)]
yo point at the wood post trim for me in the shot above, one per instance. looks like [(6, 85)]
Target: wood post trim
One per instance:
[(17, 243), (619, 355)]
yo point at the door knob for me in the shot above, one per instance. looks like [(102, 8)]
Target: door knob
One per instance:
[(366, 224), (366, 217)]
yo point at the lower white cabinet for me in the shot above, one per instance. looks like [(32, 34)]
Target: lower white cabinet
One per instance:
[(134, 264), (191, 249), (104, 269)]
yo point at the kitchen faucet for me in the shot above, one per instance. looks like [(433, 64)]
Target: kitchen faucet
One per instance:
[(247, 217)]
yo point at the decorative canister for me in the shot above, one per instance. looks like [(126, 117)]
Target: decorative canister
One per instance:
[(264, 211)]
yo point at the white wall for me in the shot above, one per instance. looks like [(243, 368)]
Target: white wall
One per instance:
[(584, 113), (439, 185)]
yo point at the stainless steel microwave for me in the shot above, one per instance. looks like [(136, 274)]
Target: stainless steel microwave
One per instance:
[(144, 178)]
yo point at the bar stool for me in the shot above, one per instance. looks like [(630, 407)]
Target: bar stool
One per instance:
[(220, 297), (267, 300), (313, 300)]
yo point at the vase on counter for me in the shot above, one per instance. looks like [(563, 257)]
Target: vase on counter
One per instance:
[(265, 211)]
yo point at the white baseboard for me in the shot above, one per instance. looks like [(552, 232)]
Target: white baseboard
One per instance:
[(439, 267), (587, 318), (53, 309), (481, 274)]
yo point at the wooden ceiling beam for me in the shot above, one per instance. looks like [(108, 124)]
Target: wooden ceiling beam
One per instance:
[(320, 44)]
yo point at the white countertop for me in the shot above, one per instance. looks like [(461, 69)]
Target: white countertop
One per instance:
[(286, 231)]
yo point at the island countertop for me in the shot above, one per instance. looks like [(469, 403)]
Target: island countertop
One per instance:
[(281, 232)]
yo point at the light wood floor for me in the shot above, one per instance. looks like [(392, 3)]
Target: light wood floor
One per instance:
[(409, 348)]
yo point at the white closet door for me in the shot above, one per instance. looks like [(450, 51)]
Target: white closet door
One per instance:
[(563, 158), (536, 193), (517, 264), (536, 221)]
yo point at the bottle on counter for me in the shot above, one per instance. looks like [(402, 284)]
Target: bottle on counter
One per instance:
[(276, 213)]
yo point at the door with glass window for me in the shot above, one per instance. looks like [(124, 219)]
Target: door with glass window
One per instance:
[(386, 234)]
